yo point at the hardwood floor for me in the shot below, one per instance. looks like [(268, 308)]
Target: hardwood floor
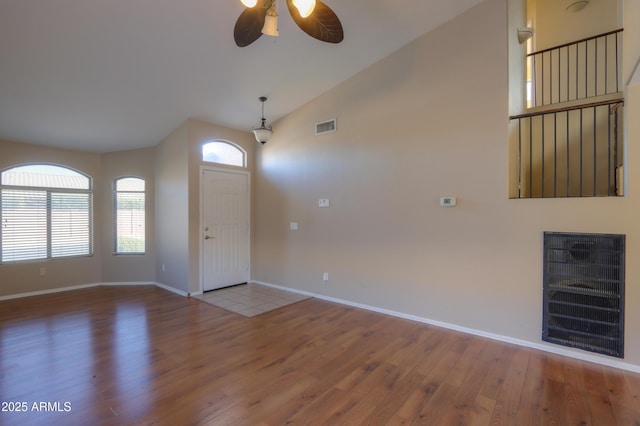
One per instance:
[(141, 355)]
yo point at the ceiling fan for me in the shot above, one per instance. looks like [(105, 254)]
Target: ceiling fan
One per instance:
[(312, 16)]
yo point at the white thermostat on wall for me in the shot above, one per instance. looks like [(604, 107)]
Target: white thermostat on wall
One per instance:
[(448, 201)]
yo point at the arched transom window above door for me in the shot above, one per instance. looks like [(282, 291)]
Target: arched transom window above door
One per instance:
[(223, 152)]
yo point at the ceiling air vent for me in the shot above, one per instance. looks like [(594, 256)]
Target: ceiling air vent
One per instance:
[(326, 127)]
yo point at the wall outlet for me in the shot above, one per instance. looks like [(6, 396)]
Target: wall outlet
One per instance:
[(323, 202), (163, 268), (43, 271), (325, 276), (293, 226)]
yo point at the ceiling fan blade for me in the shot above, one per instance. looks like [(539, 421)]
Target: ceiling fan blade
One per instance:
[(249, 25), (323, 24)]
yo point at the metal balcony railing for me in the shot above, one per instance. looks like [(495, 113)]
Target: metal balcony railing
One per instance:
[(578, 70), (572, 151)]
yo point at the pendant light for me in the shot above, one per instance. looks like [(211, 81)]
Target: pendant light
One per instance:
[(249, 3), (262, 133)]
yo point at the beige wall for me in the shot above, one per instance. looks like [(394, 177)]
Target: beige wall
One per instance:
[(631, 47), (555, 25), (25, 277), (632, 207), (517, 10), (128, 268), (431, 120), (172, 210)]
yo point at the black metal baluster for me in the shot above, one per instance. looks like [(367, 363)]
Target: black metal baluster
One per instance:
[(530, 157), (606, 64), (520, 158), (609, 150), (577, 69), (596, 68), (568, 154), (581, 152), (586, 69), (542, 79), (568, 61), (551, 76), (555, 155), (595, 152), (543, 157)]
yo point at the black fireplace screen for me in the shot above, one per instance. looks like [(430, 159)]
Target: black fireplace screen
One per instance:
[(583, 301)]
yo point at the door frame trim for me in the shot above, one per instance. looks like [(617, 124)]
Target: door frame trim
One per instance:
[(209, 168)]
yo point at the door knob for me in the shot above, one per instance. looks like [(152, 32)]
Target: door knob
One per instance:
[(206, 237)]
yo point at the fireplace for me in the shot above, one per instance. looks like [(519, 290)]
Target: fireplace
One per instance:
[(583, 291)]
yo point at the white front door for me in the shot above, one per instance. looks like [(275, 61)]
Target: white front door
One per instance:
[(224, 228)]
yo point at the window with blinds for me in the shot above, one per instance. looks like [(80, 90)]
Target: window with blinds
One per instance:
[(129, 205), (46, 212)]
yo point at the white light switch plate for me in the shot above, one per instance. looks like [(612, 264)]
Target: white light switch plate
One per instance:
[(323, 202), (293, 226)]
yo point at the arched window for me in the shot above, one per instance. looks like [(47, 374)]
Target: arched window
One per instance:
[(129, 205), (46, 211), (224, 153)]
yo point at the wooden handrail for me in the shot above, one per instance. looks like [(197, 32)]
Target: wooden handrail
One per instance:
[(568, 108), (575, 42)]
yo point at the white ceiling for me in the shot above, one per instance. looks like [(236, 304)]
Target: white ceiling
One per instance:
[(108, 75)]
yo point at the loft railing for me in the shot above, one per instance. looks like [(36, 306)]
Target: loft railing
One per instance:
[(568, 152), (579, 70)]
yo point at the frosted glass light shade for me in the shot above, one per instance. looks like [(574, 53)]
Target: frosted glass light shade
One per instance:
[(262, 134), (249, 3), (305, 7)]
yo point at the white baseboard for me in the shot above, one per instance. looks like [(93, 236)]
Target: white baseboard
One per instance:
[(507, 339), (172, 289), (78, 287), (54, 290), (132, 283)]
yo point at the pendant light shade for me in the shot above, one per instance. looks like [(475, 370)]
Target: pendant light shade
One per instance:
[(262, 133), (249, 3), (305, 7)]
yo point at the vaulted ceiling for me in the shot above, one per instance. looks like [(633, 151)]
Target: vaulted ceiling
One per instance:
[(108, 75)]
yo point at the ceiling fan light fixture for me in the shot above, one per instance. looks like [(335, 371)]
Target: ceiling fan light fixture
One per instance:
[(249, 3), (262, 133), (270, 26), (305, 7), (320, 22)]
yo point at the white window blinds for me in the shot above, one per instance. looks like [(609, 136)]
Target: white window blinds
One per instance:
[(45, 212), (129, 200)]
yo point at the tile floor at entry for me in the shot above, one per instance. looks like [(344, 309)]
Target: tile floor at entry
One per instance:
[(251, 299)]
